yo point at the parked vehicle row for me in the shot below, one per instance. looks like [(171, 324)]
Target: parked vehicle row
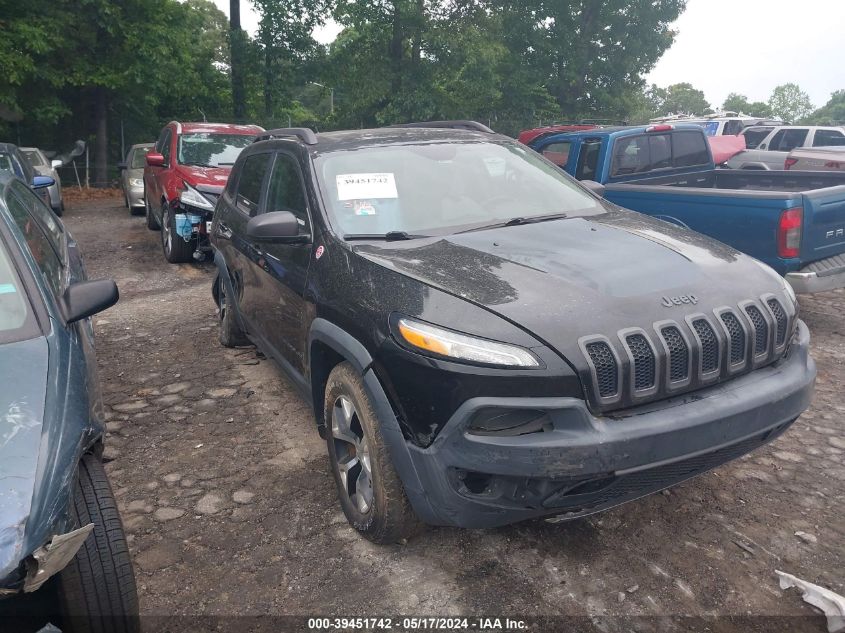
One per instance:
[(45, 167), (816, 159), (13, 161), (132, 177), (792, 221), (768, 147)]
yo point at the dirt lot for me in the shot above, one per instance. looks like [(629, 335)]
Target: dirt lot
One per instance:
[(230, 507)]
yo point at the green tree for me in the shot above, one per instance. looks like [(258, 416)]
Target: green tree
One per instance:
[(739, 103), (831, 113), (790, 103), (680, 98)]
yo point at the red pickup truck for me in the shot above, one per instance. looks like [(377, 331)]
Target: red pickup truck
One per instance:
[(185, 174)]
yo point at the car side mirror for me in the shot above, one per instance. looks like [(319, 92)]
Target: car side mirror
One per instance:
[(277, 226), (154, 159), (41, 182), (596, 187), (56, 163), (121, 166), (86, 298)]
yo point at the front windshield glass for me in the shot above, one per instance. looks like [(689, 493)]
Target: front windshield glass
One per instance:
[(33, 157), (434, 188), (6, 163), (14, 310), (138, 157), (212, 150)]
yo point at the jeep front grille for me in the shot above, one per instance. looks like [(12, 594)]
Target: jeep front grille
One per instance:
[(684, 354), (605, 368)]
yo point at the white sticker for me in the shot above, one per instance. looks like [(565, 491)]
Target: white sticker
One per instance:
[(366, 186)]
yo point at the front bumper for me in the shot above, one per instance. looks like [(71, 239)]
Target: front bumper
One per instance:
[(135, 195), (826, 274), (583, 464)]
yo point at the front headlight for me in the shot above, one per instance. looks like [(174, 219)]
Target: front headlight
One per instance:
[(435, 340), (194, 198), (136, 182)]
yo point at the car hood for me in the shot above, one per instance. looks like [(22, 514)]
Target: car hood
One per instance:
[(23, 366), (197, 176), (565, 279)]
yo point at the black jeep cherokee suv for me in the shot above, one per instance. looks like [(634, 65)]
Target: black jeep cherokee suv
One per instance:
[(484, 339)]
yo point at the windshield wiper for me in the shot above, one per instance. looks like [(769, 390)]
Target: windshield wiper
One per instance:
[(518, 221), (390, 236)]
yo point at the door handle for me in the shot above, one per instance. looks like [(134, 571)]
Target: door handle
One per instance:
[(224, 231)]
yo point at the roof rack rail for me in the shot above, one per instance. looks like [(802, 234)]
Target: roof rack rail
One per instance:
[(454, 125), (304, 134)]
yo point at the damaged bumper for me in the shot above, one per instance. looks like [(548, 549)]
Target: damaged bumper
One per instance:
[(580, 464)]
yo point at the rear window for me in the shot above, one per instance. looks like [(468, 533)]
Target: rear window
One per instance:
[(138, 160), (651, 152), (827, 138), (33, 157)]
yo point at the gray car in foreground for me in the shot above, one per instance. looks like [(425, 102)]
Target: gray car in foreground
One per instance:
[(45, 167), (132, 177)]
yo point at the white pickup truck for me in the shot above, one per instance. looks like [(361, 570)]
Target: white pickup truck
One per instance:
[(771, 151)]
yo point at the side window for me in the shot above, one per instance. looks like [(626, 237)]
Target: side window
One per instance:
[(44, 216), (165, 146), (688, 149), (630, 156), (824, 138), (733, 127), (42, 251), (788, 140), (250, 181), (755, 136), (286, 193), (558, 153), (588, 160)]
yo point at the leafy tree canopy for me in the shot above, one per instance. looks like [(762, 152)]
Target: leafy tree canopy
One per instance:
[(790, 103)]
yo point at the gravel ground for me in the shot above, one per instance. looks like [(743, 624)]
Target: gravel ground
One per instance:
[(230, 508)]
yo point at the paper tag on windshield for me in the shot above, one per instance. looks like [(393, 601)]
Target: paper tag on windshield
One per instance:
[(366, 186)]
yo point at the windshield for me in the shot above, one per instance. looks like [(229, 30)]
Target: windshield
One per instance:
[(434, 187), (138, 156), (14, 308), (212, 150), (33, 157), (6, 163)]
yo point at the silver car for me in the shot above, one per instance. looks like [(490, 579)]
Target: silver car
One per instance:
[(132, 177), (769, 146), (45, 167)]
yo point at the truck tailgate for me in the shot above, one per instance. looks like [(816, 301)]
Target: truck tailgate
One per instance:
[(824, 224)]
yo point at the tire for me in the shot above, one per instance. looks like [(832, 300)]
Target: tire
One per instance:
[(152, 223), (96, 590), (176, 250), (374, 503), (231, 334)]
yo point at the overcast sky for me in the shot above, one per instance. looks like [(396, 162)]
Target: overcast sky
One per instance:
[(723, 46)]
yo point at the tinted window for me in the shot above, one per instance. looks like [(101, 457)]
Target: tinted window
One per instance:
[(755, 136), (688, 149), (285, 192), (558, 153), (788, 140), (42, 250), (824, 138), (630, 156), (42, 214), (660, 147), (588, 160), (9, 164), (250, 181), (733, 127)]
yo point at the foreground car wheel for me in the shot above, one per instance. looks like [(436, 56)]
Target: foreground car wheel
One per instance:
[(97, 590), (369, 490), (231, 334), (152, 223), (176, 250)]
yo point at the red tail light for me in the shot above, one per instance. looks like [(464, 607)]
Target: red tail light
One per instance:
[(789, 232), (789, 162)]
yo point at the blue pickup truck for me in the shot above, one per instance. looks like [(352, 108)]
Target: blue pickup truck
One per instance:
[(792, 221)]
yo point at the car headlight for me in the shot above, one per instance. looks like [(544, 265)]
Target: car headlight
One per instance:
[(194, 198), (136, 182), (442, 342)]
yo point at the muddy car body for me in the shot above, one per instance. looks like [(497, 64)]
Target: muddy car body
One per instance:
[(483, 340), (58, 519)]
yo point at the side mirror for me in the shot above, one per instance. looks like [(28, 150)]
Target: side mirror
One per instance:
[(596, 187), (41, 182), (122, 165), (86, 298), (278, 226), (55, 163), (154, 159)]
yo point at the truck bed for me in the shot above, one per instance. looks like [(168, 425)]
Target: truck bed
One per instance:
[(747, 180)]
